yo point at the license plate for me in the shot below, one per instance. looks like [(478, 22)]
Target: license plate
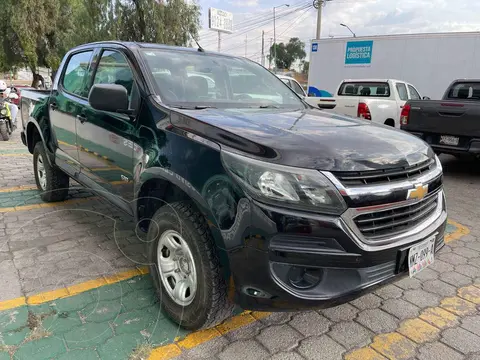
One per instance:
[(449, 140), (421, 256)]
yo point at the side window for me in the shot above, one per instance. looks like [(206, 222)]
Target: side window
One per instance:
[(402, 91), (113, 68), (74, 76), (297, 88), (414, 95)]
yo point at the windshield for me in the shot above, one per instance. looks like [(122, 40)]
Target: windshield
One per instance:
[(356, 88), (189, 79), (465, 91)]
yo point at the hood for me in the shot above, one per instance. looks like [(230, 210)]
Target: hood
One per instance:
[(307, 138)]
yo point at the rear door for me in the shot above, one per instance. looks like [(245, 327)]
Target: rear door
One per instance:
[(107, 140), (66, 102)]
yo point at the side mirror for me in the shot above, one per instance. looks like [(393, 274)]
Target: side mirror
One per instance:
[(109, 97), (426, 98)]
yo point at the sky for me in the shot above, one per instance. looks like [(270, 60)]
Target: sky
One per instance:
[(364, 17)]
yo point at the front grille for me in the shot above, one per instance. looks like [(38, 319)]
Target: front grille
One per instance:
[(391, 222), (383, 176)]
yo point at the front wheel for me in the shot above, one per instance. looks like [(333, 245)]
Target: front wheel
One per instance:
[(185, 267), (4, 131), (51, 181)]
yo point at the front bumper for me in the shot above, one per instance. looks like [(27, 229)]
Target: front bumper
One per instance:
[(296, 260)]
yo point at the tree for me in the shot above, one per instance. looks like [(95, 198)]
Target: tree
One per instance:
[(288, 53), (37, 34), (305, 66)]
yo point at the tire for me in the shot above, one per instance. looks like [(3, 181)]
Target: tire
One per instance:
[(209, 305), (4, 131), (52, 182)]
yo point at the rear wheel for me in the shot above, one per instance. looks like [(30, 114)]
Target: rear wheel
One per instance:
[(185, 268), (4, 131), (51, 181)]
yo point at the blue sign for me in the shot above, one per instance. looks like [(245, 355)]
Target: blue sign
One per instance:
[(358, 52), (314, 47)]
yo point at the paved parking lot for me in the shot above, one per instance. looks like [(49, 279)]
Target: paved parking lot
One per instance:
[(73, 285)]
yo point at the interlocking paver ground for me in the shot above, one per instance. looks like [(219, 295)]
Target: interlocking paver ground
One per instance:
[(55, 247)]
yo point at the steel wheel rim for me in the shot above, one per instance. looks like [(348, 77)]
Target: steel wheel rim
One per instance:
[(176, 268), (42, 176)]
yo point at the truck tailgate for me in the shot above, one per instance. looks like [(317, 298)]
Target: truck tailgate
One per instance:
[(444, 117)]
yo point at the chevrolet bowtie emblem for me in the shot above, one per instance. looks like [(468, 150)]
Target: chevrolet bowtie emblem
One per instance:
[(418, 193)]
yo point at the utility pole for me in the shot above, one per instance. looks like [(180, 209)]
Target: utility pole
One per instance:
[(246, 39), (270, 55), (319, 17), (219, 41), (263, 50)]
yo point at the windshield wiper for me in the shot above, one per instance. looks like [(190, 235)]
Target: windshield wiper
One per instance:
[(269, 107), (196, 107)]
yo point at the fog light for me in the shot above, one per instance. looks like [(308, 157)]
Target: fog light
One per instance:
[(304, 278)]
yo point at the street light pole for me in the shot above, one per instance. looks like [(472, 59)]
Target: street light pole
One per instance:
[(344, 25), (275, 38)]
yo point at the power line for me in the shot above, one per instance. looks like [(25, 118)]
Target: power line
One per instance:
[(284, 23), (261, 17), (261, 23)]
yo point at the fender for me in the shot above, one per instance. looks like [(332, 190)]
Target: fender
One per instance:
[(35, 123), (224, 241)]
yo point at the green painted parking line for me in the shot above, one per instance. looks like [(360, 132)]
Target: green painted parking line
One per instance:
[(110, 318), (109, 322), (22, 197), (7, 150)]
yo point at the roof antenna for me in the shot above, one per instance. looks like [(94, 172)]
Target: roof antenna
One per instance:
[(196, 42), (199, 47)]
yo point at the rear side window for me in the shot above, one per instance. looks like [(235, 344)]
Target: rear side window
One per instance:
[(377, 89), (414, 95), (297, 88), (465, 90), (74, 76), (402, 91)]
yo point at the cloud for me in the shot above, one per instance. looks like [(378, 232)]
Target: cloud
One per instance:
[(365, 17), (246, 3)]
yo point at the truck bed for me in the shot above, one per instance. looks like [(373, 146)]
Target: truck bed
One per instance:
[(439, 122)]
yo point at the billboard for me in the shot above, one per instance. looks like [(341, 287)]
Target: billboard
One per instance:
[(359, 52), (220, 20)]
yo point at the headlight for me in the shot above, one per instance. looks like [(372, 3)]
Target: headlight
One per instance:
[(292, 187), (3, 112)]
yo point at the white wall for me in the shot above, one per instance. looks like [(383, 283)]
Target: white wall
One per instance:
[(428, 61)]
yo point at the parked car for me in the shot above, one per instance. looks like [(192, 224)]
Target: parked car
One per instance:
[(17, 89), (315, 102), (378, 100), (449, 125), (268, 204)]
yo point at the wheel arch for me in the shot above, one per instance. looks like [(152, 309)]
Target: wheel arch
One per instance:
[(34, 135), (390, 122), (156, 191)]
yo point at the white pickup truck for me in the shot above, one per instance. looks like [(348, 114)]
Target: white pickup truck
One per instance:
[(379, 100), (323, 103)]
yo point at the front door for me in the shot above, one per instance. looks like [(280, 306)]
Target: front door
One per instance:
[(66, 103), (107, 140)]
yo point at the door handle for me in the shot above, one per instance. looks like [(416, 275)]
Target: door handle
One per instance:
[(53, 106), (82, 118)]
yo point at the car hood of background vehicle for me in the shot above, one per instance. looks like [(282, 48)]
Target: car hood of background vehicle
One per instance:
[(307, 138)]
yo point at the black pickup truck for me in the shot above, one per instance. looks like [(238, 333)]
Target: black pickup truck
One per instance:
[(451, 125), (249, 195)]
